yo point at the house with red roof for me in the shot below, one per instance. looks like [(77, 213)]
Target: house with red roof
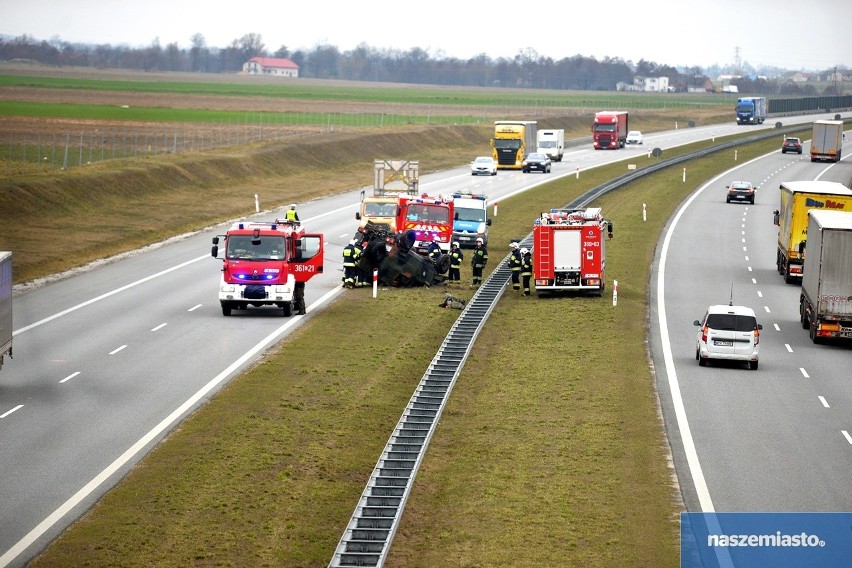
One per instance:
[(273, 66)]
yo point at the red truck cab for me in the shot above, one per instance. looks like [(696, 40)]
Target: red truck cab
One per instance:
[(609, 130)]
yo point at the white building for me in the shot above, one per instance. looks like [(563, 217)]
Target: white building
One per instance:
[(271, 66)]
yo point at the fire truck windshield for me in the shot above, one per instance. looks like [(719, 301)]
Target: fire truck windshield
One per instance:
[(246, 247), (427, 212), (379, 209)]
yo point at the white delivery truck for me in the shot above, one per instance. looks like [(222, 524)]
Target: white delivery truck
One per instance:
[(5, 305), (552, 143), (470, 219)]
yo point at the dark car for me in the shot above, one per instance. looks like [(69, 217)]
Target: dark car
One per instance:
[(791, 145), (741, 191), (536, 163)]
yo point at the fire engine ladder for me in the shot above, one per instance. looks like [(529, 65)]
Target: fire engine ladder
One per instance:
[(368, 536), (544, 255)]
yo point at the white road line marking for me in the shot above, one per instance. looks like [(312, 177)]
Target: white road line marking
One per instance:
[(823, 401), (193, 308), (759, 294), (768, 311), (746, 257), (789, 349), (777, 327), (7, 413), (69, 377), (159, 327), (848, 437), (114, 351), (754, 280), (804, 373)]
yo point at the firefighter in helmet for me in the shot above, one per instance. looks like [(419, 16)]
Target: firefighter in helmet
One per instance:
[(291, 215), (351, 256), (526, 269), (515, 261), (478, 261), (456, 258), (434, 252)]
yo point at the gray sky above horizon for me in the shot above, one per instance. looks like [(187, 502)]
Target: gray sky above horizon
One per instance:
[(792, 34)]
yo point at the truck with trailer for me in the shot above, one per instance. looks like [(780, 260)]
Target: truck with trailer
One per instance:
[(827, 141), (391, 179), (513, 141), (552, 143), (265, 262), (426, 219), (751, 110), (470, 218), (609, 130), (569, 251), (797, 198), (5, 305), (825, 303)]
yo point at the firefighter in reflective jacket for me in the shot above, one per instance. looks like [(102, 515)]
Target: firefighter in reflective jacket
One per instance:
[(515, 261), (351, 256), (526, 269), (456, 258), (478, 262), (291, 215), (434, 252)]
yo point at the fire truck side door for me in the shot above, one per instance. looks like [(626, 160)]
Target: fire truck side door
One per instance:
[(308, 256)]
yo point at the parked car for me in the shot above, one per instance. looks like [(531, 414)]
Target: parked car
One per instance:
[(791, 144), (634, 137), (729, 333), (740, 191), (536, 162), (483, 165)]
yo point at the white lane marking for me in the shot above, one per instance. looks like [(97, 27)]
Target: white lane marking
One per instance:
[(759, 294), (848, 437), (193, 308), (804, 373), (753, 280), (777, 327), (99, 479), (8, 412), (159, 327), (69, 377), (789, 349), (114, 351), (766, 308), (823, 401)]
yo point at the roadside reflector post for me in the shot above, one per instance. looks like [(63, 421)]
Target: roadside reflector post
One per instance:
[(578, 172), (644, 213), (675, 125), (615, 292), (714, 137), (735, 155), (649, 152), (375, 282), (256, 203), (684, 175), (495, 208)]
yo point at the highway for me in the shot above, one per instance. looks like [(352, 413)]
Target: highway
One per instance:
[(773, 439), (109, 360)]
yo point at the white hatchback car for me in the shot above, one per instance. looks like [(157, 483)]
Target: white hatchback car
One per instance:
[(634, 137), (483, 165), (729, 333)]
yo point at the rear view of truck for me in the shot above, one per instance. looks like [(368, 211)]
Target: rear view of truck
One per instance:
[(825, 304), (5, 305), (827, 140)]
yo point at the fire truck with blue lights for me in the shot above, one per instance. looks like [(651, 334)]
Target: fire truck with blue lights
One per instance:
[(569, 250), (430, 219), (264, 262)]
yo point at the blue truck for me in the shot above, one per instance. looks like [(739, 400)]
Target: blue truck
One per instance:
[(751, 110)]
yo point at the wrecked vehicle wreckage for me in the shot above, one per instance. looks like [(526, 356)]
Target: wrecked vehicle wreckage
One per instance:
[(397, 262)]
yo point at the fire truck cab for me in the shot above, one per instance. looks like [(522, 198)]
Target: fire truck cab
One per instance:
[(430, 219), (569, 250), (264, 262)]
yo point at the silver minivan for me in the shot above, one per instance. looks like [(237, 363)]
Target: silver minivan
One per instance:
[(729, 333)]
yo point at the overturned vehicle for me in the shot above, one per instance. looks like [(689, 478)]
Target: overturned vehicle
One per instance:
[(394, 257)]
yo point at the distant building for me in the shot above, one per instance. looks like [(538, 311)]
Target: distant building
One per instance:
[(271, 66)]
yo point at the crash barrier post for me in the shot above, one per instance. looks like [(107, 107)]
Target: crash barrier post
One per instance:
[(375, 282), (615, 292)]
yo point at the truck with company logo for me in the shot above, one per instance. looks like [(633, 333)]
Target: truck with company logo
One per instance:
[(426, 219), (825, 303), (513, 141), (391, 178), (609, 130), (552, 143), (751, 110), (5, 305), (569, 251), (797, 198), (265, 263), (470, 219), (827, 141)]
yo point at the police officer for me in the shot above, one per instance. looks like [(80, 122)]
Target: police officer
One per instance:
[(351, 256), (292, 216), (478, 262), (526, 269), (456, 258), (515, 261)]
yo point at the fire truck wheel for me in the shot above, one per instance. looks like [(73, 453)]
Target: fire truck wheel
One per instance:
[(226, 309), (443, 264)]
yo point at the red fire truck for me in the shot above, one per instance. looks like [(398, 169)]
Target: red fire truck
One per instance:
[(431, 219), (264, 262), (569, 250)]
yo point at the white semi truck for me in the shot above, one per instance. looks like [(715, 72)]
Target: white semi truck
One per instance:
[(5, 305)]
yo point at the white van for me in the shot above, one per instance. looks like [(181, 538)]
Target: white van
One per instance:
[(729, 333)]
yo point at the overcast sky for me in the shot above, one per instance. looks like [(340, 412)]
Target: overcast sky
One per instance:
[(793, 34)]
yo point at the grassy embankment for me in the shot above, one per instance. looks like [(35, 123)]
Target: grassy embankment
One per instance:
[(550, 451)]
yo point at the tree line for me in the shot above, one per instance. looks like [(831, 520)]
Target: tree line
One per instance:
[(527, 69)]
